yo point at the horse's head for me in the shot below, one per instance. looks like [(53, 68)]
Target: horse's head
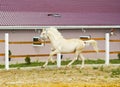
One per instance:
[(44, 34), (50, 33)]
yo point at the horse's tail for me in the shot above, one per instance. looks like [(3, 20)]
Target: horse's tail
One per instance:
[(94, 44)]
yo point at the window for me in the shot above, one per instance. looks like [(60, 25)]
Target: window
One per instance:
[(36, 41), (85, 37)]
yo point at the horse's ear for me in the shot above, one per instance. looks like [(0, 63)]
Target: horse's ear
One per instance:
[(43, 29)]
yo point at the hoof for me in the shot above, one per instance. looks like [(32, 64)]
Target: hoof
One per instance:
[(43, 66), (81, 67), (67, 66)]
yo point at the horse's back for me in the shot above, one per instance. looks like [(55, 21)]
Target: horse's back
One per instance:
[(70, 45)]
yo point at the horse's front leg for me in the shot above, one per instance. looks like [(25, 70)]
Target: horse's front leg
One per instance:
[(51, 59), (50, 56)]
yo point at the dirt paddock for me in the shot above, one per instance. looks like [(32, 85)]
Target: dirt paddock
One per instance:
[(90, 76)]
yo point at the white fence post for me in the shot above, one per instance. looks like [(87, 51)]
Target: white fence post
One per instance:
[(58, 60), (107, 49), (6, 51)]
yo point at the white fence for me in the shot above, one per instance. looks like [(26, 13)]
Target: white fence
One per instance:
[(107, 51)]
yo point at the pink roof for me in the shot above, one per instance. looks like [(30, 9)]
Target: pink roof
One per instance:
[(73, 12)]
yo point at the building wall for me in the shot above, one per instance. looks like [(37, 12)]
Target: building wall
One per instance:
[(27, 35)]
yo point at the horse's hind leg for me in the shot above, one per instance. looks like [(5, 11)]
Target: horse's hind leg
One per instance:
[(75, 58), (82, 57), (46, 63)]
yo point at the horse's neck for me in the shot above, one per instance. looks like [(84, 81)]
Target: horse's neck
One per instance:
[(55, 40)]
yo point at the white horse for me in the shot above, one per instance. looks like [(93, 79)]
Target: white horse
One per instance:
[(62, 45)]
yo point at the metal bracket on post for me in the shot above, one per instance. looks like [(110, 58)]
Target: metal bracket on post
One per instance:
[(6, 51), (58, 60), (107, 48)]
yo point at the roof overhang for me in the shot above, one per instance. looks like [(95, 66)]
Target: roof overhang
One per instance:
[(59, 27)]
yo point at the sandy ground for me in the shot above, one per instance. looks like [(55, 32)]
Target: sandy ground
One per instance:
[(90, 76)]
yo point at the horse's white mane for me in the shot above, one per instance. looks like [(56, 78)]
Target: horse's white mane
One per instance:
[(55, 31)]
